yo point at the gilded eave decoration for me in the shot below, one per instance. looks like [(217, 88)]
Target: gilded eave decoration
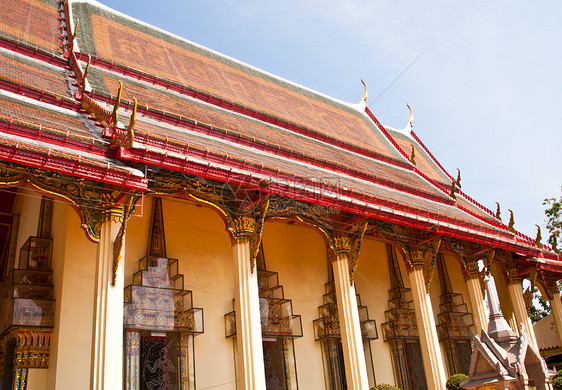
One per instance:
[(243, 210), (414, 244), (84, 195), (125, 213)]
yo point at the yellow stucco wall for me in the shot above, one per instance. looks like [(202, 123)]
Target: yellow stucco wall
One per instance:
[(298, 254), (196, 236), (74, 262), (27, 205), (372, 284)]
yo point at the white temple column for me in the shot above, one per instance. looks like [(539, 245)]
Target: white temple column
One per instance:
[(431, 352), (479, 314), (251, 372), (107, 349), (352, 342), (556, 308), (515, 291)]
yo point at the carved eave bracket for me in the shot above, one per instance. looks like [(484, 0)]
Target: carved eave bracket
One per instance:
[(414, 246), (122, 215), (510, 269), (348, 244), (82, 194), (250, 229)]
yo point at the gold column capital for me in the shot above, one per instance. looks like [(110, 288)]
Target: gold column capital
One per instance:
[(112, 213), (553, 290), (342, 246), (513, 276), (471, 270), (416, 259), (243, 229)]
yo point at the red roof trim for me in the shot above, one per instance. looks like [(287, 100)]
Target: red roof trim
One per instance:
[(32, 51), (435, 183), (182, 165), (23, 89), (224, 175), (16, 153), (52, 136), (470, 199)]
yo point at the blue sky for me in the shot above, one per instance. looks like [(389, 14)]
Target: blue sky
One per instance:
[(485, 89)]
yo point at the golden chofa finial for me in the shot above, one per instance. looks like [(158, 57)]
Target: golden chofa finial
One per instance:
[(413, 155), (411, 120), (114, 115), (365, 94), (130, 128), (73, 36), (453, 190), (498, 211), (538, 239), (459, 177), (83, 84), (511, 222)]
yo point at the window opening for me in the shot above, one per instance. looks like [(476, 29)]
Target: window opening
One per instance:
[(401, 331), (327, 331), (279, 328), (159, 320), (455, 328)]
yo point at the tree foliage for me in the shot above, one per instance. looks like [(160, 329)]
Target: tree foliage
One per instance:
[(553, 214), (538, 312), (454, 381)]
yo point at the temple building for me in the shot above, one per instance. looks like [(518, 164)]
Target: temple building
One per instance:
[(172, 218)]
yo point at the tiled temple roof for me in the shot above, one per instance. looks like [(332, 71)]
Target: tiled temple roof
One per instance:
[(203, 113)]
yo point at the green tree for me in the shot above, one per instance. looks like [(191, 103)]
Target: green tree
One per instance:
[(553, 214), (538, 312)]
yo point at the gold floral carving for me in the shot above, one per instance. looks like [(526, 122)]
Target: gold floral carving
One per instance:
[(249, 229), (416, 259), (471, 268), (255, 240), (200, 190), (513, 276)]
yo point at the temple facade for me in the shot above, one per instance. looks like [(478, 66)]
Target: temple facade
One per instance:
[(172, 218)]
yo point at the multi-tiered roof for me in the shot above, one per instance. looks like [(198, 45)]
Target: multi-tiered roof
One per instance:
[(205, 114)]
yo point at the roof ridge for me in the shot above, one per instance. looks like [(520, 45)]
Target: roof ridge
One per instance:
[(499, 224), (459, 191)]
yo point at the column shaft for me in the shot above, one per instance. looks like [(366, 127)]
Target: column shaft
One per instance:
[(477, 302), (251, 373), (352, 342), (107, 358), (556, 308), (429, 343), (520, 310)]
